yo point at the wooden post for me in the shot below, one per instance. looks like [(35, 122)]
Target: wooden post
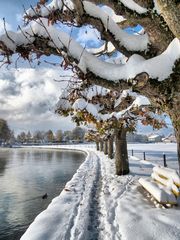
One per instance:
[(164, 159), (144, 154)]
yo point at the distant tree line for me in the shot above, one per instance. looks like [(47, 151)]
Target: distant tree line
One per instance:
[(76, 135), (7, 135)]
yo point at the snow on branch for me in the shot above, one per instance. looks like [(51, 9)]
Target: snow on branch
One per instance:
[(116, 18), (44, 10), (107, 18), (98, 101), (97, 105), (159, 67), (129, 41), (106, 48), (132, 5)]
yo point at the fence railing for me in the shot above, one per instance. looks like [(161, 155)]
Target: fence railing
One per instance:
[(144, 156)]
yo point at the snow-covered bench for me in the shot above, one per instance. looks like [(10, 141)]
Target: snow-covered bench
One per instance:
[(164, 185)]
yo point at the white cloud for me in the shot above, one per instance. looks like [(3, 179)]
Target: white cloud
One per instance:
[(28, 97), (8, 26)]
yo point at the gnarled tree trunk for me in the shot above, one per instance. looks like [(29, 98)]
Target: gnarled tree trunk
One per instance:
[(175, 117), (177, 134), (110, 147), (97, 146), (105, 147), (165, 95), (121, 153)]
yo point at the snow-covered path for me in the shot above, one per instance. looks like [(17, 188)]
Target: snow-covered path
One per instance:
[(94, 208), (86, 224), (98, 205)]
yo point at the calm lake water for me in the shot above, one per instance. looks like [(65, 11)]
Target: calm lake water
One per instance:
[(25, 176)]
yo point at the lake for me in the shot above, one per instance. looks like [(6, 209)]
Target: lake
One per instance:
[(25, 176)]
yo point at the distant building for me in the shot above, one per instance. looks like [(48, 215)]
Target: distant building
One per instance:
[(170, 139), (155, 138)]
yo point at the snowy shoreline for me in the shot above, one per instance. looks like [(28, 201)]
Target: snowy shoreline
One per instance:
[(96, 204), (74, 194)]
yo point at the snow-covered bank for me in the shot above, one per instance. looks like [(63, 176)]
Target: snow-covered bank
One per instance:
[(96, 204), (66, 216)]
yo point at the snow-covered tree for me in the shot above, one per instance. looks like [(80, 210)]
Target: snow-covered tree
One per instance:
[(151, 56), (111, 112)]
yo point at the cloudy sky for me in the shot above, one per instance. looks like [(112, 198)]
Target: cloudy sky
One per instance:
[(28, 94)]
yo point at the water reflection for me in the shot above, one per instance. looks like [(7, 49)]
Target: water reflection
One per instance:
[(25, 176), (4, 157)]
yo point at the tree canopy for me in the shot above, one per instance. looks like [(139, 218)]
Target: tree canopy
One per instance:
[(5, 132), (152, 54)]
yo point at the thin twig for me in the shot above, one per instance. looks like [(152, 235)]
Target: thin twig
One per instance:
[(7, 32), (70, 39), (82, 52)]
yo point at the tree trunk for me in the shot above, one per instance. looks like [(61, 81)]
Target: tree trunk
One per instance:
[(97, 146), (110, 147), (177, 134), (176, 124), (101, 146), (121, 153), (170, 13), (105, 147)]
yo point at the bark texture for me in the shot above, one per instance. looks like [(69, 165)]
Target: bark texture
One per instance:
[(105, 147), (101, 146), (171, 13), (175, 117), (121, 153), (177, 134), (110, 148)]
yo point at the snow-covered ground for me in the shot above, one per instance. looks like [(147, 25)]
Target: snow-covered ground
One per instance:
[(96, 204), (154, 152)]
